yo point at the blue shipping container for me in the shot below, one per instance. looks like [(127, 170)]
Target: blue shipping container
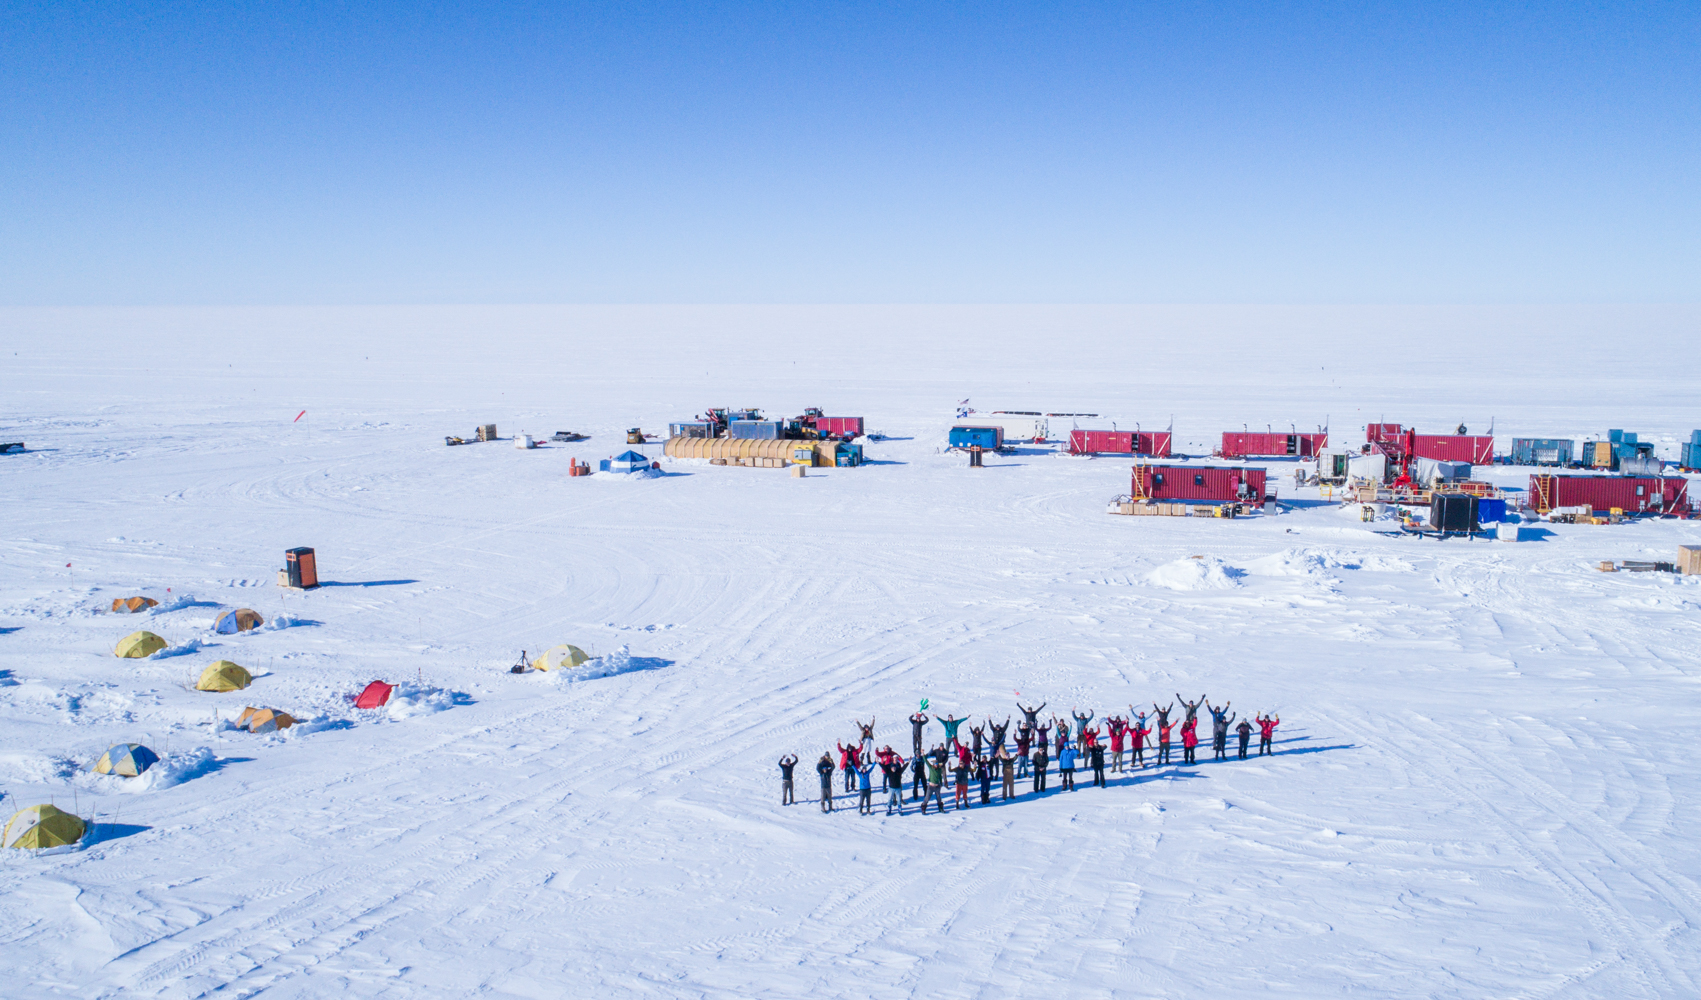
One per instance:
[(756, 430), (1690, 458), (1491, 510), (990, 438), (1541, 451)]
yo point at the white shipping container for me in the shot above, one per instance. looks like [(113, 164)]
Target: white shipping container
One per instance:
[(1374, 467), (1017, 427)]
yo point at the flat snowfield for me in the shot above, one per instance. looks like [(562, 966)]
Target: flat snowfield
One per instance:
[(1485, 784)]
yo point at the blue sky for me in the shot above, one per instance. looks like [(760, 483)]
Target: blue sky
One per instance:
[(191, 153)]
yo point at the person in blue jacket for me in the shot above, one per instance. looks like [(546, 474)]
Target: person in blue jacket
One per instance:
[(865, 788), (1066, 766)]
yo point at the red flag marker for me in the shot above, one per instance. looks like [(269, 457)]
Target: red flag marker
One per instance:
[(298, 416)]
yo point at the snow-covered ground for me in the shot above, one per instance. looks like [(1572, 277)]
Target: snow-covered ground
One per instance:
[(1486, 783)]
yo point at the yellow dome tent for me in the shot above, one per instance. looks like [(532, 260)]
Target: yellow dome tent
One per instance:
[(561, 657), (131, 605), (264, 720), (42, 826), (223, 675), (137, 645)]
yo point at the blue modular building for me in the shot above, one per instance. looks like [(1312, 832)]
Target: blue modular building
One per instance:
[(988, 438)]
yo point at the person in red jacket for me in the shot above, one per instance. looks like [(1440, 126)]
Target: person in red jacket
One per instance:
[(1266, 730), (847, 764), (1138, 731), (1189, 739), (1089, 739), (1164, 727), (1118, 739)]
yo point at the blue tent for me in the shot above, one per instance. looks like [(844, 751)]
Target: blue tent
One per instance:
[(127, 759), (240, 620), (626, 461)]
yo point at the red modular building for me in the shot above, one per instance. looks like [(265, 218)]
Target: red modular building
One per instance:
[(1215, 483), (1153, 443), (1402, 443), (1238, 444), (1634, 494)]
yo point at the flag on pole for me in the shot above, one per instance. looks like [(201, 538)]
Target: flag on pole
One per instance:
[(298, 416)]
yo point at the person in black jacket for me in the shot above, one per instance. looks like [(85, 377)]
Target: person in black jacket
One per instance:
[(918, 723), (1096, 755), (894, 770), (983, 774), (1245, 732), (1042, 760), (920, 788), (789, 761), (824, 767)]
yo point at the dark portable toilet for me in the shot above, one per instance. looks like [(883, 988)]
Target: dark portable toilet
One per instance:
[(303, 570)]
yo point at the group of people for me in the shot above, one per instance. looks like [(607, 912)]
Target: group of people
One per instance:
[(992, 753)]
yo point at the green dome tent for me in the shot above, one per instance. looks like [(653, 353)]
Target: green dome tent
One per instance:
[(137, 645), (223, 675), (42, 826)]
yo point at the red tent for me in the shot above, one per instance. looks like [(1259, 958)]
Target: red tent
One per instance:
[(375, 696)]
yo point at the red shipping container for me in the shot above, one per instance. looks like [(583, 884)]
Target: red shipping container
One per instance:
[(1241, 444), (1472, 448), (1633, 494), (1215, 483), (839, 427), (1399, 443), (1086, 442)]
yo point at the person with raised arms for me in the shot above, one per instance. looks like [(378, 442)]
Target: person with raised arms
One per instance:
[(865, 785), (1191, 706), (1266, 733), (918, 723), (951, 723), (824, 767), (935, 778), (1118, 727), (1139, 730), (1189, 739), (894, 771), (789, 761), (1220, 720)]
